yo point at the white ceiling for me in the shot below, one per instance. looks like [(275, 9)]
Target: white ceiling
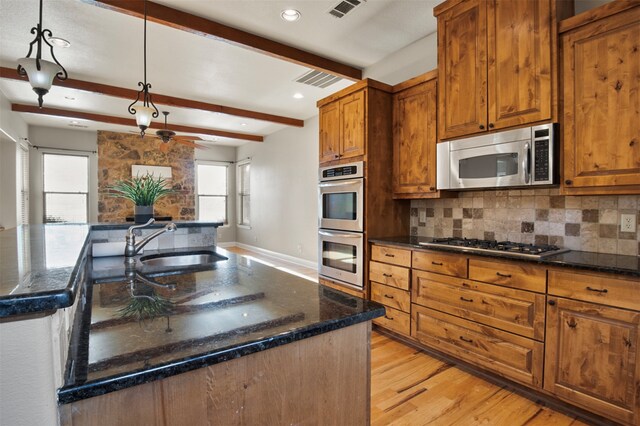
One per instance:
[(106, 47)]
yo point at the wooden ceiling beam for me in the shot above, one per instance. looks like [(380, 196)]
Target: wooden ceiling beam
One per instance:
[(33, 109), (130, 94), (198, 25)]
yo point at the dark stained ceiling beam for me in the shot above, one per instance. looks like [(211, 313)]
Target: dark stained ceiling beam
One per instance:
[(130, 94), (33, 109), (194, 24)]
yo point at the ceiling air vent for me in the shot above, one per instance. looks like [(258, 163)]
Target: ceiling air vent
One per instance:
[(317, 79), (344, 7)]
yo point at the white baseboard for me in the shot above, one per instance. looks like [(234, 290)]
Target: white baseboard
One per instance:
[(291, 259)]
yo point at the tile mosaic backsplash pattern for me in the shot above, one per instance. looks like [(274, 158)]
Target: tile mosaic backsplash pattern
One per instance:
[(536, 216), (183, 237)]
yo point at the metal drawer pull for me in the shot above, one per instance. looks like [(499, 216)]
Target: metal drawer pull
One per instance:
[(388, 297), (390, 255), (387, 275), (466, 285), (464, 339), (604, 290), (437, 263), (389, 318), (465, 299), (503, 275)]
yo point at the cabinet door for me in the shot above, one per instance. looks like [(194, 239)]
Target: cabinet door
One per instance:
[(352, 111), (462, 69), (601, 65), (329, 132), (414, 140), (591, 357), (519, 62)]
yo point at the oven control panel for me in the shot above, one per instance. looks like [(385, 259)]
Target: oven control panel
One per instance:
[(345, 171)]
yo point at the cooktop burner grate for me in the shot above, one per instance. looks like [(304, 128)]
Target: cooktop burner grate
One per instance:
[(493, 246)]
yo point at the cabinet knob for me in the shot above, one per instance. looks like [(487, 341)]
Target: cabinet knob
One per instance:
[(336, 156), (491, 125), (432, 188), (482, 127), (568, 182), (552, 302)]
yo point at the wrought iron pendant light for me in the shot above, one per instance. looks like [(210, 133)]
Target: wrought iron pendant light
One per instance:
[(39, 71), (144, 113)]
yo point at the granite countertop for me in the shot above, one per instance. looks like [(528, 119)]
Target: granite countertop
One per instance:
[(40, 264), (203, 316), (597, 262)]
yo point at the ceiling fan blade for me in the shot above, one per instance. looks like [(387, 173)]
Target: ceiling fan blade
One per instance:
[(192, 144), (188, 138)]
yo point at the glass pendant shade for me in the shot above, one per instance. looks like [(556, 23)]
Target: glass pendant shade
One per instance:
[(42, 79), (143, 116)]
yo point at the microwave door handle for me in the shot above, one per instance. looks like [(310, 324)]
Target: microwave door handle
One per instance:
[(526, 162), (330, 234)]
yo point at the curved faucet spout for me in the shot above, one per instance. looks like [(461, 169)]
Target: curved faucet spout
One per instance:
[(132, 248)]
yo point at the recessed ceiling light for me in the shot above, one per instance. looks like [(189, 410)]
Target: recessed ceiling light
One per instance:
[(243, 124), (298, 95), (60, 42), (75, 122), (290, 15), (71, 98)]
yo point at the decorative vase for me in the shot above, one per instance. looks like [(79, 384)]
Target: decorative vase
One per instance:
[(142, 214)]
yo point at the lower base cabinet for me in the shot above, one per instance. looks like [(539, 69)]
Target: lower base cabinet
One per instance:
[(395, 320), (515, 357), (592, 358)]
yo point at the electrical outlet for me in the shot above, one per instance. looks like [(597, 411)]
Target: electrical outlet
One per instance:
[(628, 223), (422, 217)]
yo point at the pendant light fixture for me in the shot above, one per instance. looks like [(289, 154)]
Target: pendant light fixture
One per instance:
[(144, 112), (40, 72)]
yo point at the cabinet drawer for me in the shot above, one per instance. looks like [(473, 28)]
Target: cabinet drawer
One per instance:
[(607, 290), (395, 276), (513, 274), (448, 264), (394, 256), (391, 296), (516, 311), (506, 354), (395, 320)]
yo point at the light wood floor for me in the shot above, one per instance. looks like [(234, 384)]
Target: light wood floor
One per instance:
[(410, 387)]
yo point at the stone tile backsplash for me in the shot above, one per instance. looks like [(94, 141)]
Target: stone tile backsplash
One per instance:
[(537, 216), (183, 237)]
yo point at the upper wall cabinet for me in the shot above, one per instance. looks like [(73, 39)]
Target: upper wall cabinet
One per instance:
[(342, 127), (414, 137), (497, 63), (601, 113)]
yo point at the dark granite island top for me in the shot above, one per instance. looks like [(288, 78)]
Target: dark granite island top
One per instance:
[(597, 262), (41, 265), (195, 317)]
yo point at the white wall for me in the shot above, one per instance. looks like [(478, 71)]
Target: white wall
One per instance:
[(284, 198), (225, 154), (66, 139), (12, 129)]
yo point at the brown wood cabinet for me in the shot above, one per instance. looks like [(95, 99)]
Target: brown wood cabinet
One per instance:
[(497, 62), (414, 137), (601, 113), (592, 358), (343, 127)]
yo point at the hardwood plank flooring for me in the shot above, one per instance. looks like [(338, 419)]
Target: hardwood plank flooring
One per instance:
[(410, 387)]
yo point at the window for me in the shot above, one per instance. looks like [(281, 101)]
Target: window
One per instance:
[(212, 192), (244, 189), (66, 188), (22, 180)]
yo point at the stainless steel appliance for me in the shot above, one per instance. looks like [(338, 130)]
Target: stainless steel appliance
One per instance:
[(341, 197), (506, 248), (341, 223), (341, 256), (513, 158)]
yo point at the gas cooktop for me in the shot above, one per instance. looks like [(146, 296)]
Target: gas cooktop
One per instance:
[(507, 248)]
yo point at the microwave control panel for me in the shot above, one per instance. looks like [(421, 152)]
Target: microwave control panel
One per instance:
[(543, 154)]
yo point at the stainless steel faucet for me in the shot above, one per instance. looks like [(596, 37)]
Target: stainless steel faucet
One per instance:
[(132, 248)]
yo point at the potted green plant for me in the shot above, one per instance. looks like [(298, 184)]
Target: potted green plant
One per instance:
[(144, 191)]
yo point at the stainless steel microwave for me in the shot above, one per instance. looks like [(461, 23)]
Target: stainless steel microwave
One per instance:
[(514, 158)]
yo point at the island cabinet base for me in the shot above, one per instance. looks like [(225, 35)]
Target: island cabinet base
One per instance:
[(324, 379)]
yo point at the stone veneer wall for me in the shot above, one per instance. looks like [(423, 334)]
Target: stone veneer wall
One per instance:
[(540, 216), (117, 152)]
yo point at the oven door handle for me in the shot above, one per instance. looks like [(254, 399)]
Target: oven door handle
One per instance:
[(330, 234), (526, 162), (339, 183)]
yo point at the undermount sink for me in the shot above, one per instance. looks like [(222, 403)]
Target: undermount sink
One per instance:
[(182, 259)]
